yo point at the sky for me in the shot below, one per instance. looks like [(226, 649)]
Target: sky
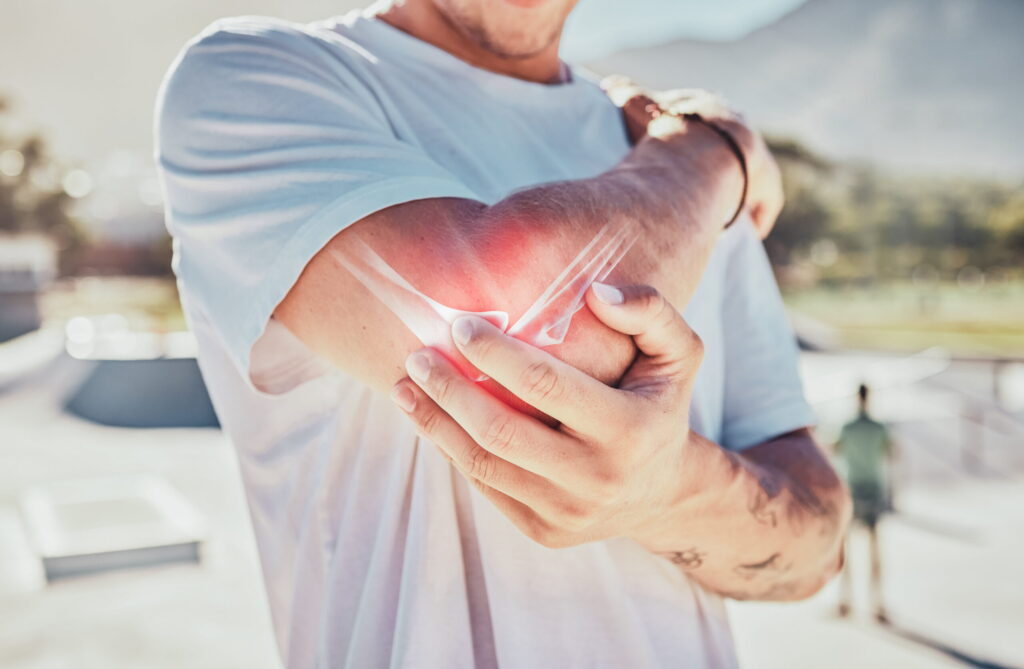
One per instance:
[(85, 74), (599, 27)]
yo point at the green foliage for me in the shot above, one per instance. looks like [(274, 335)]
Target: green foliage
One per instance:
[(31, 197), (889, 226)]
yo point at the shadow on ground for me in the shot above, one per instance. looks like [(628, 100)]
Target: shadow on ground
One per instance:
[(949, 651)]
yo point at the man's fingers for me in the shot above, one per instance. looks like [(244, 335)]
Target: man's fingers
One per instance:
[(670, 348), (561, 391), (495, 427), (619, 89), (486, 471), (638, 108), (693, 101)]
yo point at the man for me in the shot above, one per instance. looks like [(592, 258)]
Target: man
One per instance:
[(447, 136), (866, 450)]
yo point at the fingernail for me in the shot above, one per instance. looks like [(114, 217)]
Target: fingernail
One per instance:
[(404, 398), (418, 366), (463, 329), (608, 294)]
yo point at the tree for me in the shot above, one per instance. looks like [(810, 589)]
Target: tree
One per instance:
[(806, 217), (884, 225), (32, 198)]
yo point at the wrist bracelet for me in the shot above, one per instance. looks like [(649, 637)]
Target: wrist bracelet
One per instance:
[(737, 151)]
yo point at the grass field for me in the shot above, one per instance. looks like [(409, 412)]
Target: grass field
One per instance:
[(981, 320), (975, 320)]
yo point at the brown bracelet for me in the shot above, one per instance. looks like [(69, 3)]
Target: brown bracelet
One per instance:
[(737, 151), (655, 110)]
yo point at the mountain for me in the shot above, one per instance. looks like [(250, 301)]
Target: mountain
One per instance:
[(932, 86), (920, 84)]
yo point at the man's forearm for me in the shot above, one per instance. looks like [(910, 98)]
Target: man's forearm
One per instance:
[(678, 204), (474, 257), (767, 523)]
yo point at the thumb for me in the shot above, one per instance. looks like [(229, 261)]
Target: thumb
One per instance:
[(638, 108), (670, 352), (619, 88)]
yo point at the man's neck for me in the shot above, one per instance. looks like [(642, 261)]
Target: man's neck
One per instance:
[(424, 21)]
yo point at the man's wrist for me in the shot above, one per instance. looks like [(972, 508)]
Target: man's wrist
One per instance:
[(701, 166), (731, 141), (708, 473)]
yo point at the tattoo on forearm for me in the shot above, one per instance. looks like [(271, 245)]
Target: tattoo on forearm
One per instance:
[(690, 558), (767, 489), (792, 491), (806, 505), (777, 590), (770, 565), (801, 505), (770, 578)]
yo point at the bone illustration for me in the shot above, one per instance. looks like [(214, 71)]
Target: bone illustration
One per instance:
[(545, 323), (547, 320)]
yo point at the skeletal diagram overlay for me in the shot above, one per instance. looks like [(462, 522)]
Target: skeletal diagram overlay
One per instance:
[(544, 323)]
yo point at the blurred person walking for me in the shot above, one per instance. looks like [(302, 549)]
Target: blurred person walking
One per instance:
[(865, 447)]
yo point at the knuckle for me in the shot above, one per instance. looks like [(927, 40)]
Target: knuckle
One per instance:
[(573, 518), (666, 315), (482, 346), (548, 536), (541, 381), (500, 433), (481, 465), (537, 532), (650, 300), (631, 419), (428, 421), (608, 482), (444, 388)]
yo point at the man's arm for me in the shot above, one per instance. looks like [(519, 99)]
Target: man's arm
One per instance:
[(766, 523), (677, 187)]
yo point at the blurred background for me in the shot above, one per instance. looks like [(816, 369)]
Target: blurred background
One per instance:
[(124, 536)]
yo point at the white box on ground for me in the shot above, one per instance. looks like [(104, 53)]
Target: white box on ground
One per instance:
[(84, 526)]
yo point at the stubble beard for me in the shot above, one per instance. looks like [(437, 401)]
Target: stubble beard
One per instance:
[(474, 30)]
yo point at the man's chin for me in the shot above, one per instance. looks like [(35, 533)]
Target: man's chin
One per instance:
[(515, 51), (527, 4)]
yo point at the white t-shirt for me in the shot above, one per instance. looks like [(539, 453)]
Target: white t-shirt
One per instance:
[(274, 136)]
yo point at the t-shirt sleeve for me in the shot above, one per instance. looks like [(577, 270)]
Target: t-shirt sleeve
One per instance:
[(269, 143), (764, 397)]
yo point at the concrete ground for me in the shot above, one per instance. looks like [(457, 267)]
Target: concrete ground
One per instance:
[(952, 590), (208, 615), (953, 585)]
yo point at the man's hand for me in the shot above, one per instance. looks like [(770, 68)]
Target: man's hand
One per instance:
[(615, 463), (656, 114), (767, 523)]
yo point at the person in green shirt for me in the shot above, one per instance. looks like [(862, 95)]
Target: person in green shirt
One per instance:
[(865, 447)]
